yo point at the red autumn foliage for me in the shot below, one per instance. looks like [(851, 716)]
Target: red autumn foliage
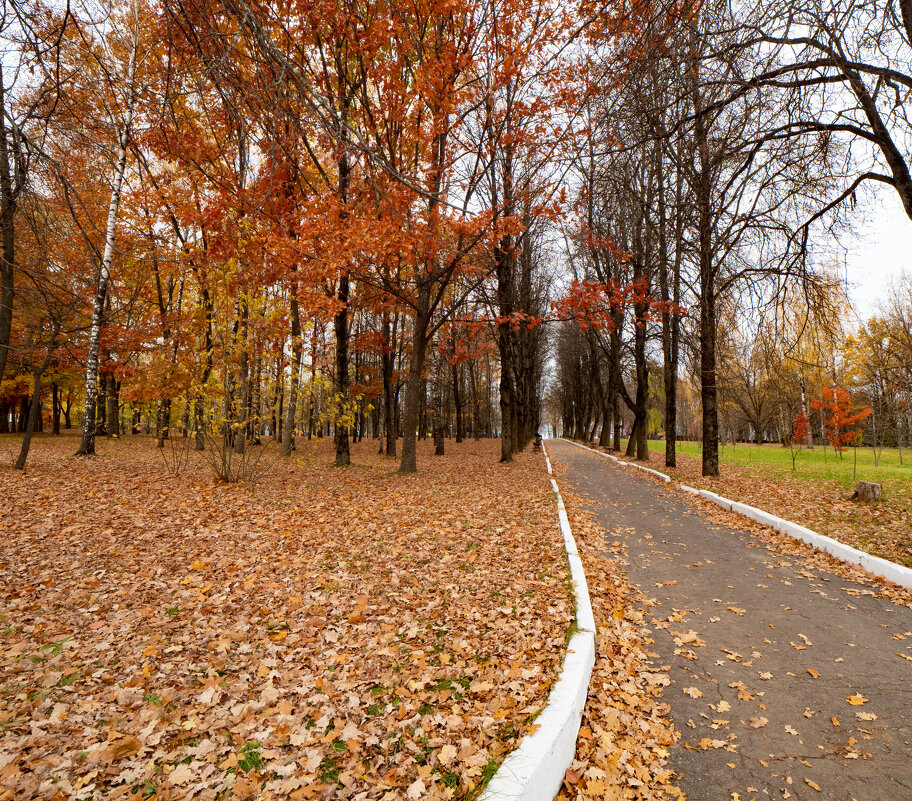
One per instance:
[(841, 424)]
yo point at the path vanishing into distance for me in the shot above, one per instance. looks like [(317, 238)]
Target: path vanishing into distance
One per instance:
[(763, 651)]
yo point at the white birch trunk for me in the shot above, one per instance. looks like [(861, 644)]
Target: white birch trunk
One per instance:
[(87, 446)]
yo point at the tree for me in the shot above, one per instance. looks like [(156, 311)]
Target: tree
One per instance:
[(844, 68), (800, 434), (841, 420), (110, 67)]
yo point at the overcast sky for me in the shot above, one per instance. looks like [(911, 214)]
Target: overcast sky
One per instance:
[(878, 252)]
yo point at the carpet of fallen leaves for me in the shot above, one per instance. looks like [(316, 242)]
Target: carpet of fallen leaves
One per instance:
[(622, 748), (325, 633), (883, 529)]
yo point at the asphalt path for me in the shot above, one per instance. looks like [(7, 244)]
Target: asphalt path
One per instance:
[(787, 681)]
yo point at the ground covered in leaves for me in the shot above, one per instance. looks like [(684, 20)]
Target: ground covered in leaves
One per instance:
[(325, 633), (622, 748), (823, 505)]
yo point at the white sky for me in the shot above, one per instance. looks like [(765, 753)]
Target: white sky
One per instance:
[(879, 251)]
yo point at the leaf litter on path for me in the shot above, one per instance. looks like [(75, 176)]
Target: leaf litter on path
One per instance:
[(622, 748)]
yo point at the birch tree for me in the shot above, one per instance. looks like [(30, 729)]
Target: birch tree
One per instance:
[(120, 108)]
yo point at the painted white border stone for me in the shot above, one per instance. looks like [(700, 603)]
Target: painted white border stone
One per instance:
[(891, 571), (535, 770)]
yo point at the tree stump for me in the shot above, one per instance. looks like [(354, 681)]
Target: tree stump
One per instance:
[(867, 491)]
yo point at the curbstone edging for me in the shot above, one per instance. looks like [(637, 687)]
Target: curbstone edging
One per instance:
[(898, 574), (535, 770)]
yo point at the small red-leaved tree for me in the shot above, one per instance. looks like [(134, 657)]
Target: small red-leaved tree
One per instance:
[(841, 421), (801, 430)]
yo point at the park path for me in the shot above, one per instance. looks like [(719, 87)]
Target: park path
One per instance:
[(762, 651)]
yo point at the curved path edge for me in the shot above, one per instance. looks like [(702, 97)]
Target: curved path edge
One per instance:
[(883, 568), (535, 770)]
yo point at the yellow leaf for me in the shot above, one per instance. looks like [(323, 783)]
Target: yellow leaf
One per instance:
[(856, 700)]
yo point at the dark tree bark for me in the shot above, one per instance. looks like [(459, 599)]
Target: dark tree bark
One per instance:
[(163, 422), (340, 327), (101, 407), (34, 410), (243, 384), (22, 417), (457, 403), (413, 390), (12, 178), (113, 402), (438, 434), (297, 352), (55, 408)]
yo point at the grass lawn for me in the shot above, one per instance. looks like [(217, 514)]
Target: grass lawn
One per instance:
[(324, 633), (816, 493), (819, 465)]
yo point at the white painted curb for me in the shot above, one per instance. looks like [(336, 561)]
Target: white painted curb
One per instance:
[(535, 770), (891, 571)]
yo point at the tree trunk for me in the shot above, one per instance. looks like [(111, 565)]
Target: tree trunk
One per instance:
[(113, 413), (409, 462), (297, 352), (708, 389), (243, 396), (7, 232), (387, 358), (457, 404), (163, 421), (101, 407), (505, 348), (22, 416), (87, 445), (439, 447), (671, 330), (340, 327), (199, 425), (55, 408), (35, 406), (32, 421), (707, 296)]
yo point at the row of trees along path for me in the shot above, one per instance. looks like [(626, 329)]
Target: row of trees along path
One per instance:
[(246, 221)]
